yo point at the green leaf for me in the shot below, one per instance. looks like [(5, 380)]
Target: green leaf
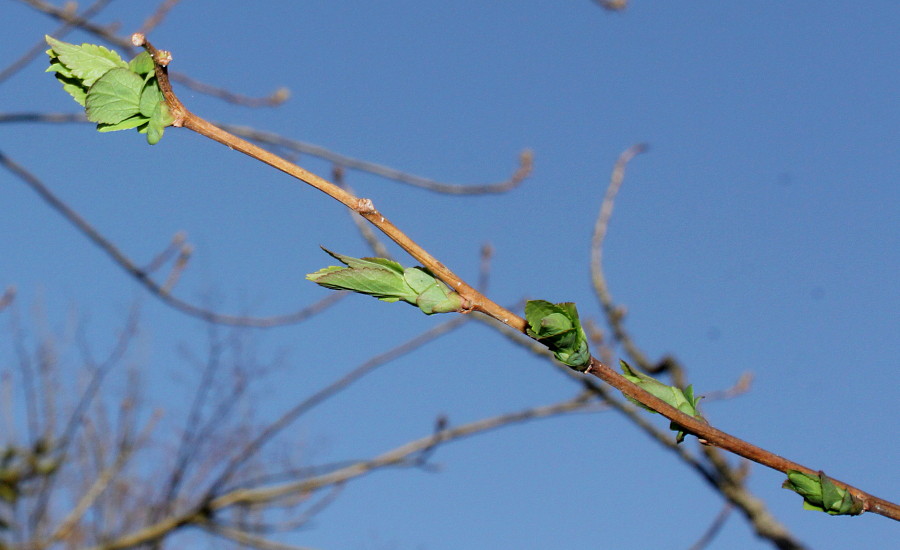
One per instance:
[(127, 124), (432, 296), (151, 96), (387, 280), (683, 400), (822, 495), (8, 493), (557, 326), (87, 62), (114, 97), (160, 118), (141, 64)]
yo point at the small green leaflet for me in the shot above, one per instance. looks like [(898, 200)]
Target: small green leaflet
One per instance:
[(114, 97), (557, 327), (389, 281), (821, 494), (683, 400), (115, 94)]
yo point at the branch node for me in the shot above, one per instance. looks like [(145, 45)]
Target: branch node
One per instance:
[(365, 206)]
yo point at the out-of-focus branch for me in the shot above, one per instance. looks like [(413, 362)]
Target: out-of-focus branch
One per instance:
[(105, 477), (201, 515), (719, 473), (8, 296), (107, 33), (717, 523), (395, 457), (73, 20), (526, 163), (367, 367), (144, 278), (157, 17), (246, 539)]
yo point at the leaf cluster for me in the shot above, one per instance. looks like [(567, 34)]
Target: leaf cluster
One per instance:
[(683, 400), (389, 281), (821, 494), (21, 465), (557, 326), (115, 94)]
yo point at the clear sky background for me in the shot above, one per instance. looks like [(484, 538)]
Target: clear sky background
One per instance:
[(759, 233)]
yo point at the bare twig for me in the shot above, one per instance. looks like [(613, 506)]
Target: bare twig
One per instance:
[(526, 161), (8, 296), (250, 448), (721, 475), (144, 278), (161, 12), (40, 46), (246, 539), (597, 277), (718, 522)]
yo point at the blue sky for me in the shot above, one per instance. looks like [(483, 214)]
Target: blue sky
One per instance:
[(759, 233)]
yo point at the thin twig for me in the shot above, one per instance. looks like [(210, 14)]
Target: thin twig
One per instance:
[(526, 161), (394, 457), (8, 296), (475, 301), (144, 278), (41, 45), (246, 539), (354, 375), (157, 17), (722, 476), (714, 528)]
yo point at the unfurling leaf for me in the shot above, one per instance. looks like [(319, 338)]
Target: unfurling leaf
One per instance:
[(388, 281), (87, 62), (116, 95), (821, 494), (557, 326), (683, 400)]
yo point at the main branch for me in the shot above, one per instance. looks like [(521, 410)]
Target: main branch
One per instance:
[(475, 300)]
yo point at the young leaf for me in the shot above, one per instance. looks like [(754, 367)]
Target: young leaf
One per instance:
[(683, 400), (821, 494), (114, 97), (127, 124), (151, 96), (160, 118), (388, 281), (557, 326), (141, 64), (87, 62), (432, 296)]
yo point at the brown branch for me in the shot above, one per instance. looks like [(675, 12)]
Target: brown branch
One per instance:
[(726, 481), (477, 301), (182, 117)]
